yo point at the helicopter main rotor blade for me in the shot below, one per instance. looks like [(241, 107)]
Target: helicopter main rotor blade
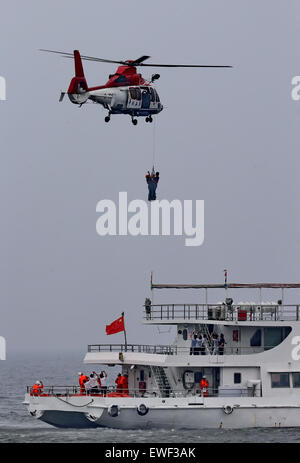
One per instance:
[(137, 62), (186, 65), (84, 57)]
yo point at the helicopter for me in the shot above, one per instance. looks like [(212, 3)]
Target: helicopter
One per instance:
[(126, 91)]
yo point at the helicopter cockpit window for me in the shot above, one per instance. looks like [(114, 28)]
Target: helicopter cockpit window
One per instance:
[(156, 95), (121, 79), (133, 93), (138, 94), (152, 94)]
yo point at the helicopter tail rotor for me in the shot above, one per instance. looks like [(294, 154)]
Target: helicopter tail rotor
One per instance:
[(62, 95)]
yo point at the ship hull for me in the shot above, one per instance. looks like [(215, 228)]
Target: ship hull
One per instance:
[(172, 414)]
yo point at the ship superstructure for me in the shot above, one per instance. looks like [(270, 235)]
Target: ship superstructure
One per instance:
[(252, 378)]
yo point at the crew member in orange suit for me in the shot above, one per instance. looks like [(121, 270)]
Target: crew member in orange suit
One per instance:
[(118, 382), (204, 386), (124, 384), (37, 388), (99, 381), (82, 380)]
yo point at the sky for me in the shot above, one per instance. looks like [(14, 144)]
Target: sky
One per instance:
[(229, 137)]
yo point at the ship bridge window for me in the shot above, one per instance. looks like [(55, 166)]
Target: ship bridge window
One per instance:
[(255, 341), (275, 335), (280, 380), (296, 379)]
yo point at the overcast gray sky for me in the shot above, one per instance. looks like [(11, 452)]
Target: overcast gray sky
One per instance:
[(230, 137)]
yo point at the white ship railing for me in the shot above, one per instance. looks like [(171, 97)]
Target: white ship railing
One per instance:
[(75, 391), (177, 350), (142, 348), (238, 312)]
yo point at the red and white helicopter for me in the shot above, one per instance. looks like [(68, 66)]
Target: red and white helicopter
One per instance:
[(126, 91)]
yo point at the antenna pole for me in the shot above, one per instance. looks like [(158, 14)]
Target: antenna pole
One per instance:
[(152, 289)]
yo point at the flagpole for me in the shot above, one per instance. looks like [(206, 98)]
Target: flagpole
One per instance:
[(125, 333)]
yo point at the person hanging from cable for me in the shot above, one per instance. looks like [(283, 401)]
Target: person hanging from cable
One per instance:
[(152, 181)]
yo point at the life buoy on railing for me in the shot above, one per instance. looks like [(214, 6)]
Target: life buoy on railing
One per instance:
[(114, 410), (228, 409), (142, 410)]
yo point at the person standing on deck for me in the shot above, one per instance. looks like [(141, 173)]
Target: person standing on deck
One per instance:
[(37, 388), (124, 384), (193, 344), (148, 308), (198, 344), (221, 344), (204, 386), (103, 379), (215, 343), (91, 386), (203, 345), (82, 380), (118, 382)]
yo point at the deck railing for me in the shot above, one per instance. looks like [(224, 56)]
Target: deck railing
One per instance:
[(240, 312), (142, 348), (177, 350), (72, 391)]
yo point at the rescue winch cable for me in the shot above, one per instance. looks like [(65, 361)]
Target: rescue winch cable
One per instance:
[(154, 143)]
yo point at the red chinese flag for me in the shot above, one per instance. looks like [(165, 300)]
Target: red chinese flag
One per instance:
[(116, 326)]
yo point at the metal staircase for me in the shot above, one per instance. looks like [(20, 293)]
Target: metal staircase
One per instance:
[(209, 342), (162, 381)]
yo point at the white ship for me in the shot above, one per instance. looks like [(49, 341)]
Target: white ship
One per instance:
[(254, 381)]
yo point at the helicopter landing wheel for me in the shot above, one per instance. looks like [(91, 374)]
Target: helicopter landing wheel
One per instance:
[(134, 121), (107, 119), (147, 119), (150, 119)]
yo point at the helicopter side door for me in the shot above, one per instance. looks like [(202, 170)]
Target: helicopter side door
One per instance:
[(134, 100), (146, 97), (153, 98)]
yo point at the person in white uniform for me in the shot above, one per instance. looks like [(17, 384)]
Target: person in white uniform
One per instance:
[(103, 379)]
